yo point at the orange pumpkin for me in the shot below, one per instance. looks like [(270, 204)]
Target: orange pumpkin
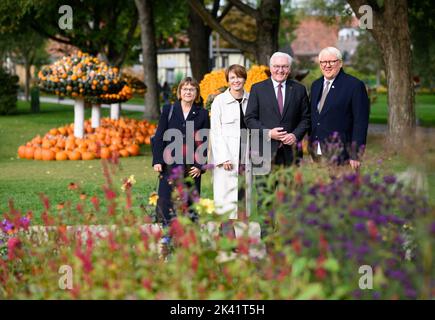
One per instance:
[(48, 155), (74, 155), (53, 131), (37, 155), (61, 156), (88, 155), (105, 153), (133, 149), (124, 153), (46, 144), (22, 152), (29, 152)]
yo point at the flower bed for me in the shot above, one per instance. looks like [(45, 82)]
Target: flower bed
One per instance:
[(324, 232)]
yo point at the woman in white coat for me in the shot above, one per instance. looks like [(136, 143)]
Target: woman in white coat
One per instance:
[(229, 150)]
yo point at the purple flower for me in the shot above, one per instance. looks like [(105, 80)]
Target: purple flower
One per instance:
[(389, 179), (376, 295), (360, 213), (432, 228), (312, 207), (326, 226), (359, 227)]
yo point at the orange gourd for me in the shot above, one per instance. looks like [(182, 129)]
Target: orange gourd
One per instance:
[(74, 155), (37, 155), (29, 152), (61, 156), (105, 153), (88, 155), (48, 155), (22, 152), (124, 153)]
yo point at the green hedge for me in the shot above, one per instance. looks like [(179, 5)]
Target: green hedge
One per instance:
[(8, 92)]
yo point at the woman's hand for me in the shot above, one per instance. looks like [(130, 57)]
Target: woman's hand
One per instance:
[(228, 165), (194, 172), (158, 167)]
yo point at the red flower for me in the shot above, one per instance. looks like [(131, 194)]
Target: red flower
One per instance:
[(372, 229), (296, 245), (14, 244), (194, 261), (298, 177), (320, 271)]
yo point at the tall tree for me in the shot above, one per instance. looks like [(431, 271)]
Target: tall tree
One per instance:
[(391, 32), (267, 18), (149, 57), (99, 26), (199, 38)]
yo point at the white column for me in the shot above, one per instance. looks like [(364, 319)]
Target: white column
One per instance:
[(79, 118), (96, 115), (115, 110)]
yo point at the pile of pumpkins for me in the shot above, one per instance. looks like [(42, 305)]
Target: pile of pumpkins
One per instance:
[(84, 76), (114, 138)]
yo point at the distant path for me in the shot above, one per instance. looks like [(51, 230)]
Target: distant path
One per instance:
[(374, 128), (125, 106)]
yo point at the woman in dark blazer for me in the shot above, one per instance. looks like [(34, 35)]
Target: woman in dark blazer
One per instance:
[(180, 157)]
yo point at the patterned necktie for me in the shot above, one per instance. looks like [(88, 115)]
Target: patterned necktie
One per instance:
[(280, 102), (323, 98)]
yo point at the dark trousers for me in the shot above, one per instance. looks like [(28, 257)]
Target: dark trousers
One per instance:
[(165, 210)]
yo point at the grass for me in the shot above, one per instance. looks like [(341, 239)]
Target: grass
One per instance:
[(425, 110), (24, 180)]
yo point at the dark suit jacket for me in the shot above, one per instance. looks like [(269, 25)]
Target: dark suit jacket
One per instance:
[(345, 111), (262, 112), (197, 114)]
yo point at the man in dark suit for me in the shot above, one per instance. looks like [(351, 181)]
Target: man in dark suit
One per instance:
[(339, 112), (280, 107)]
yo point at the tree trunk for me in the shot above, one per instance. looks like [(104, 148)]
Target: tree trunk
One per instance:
[(267, 22), (146, 22), (27, 67), (199, 42), (391, 32), (267, 30)]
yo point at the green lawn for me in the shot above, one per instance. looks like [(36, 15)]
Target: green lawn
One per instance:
[(425, 109), (23, 180)]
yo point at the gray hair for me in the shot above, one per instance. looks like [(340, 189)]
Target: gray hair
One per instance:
[(281, 54), (332, 50)]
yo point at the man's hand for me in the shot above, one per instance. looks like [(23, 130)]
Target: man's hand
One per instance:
[(289, 139), (355, 164), (158, 167), (194, 172), (277, 133)]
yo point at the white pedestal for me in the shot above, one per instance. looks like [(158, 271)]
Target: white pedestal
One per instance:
[(96, 115), (115, 110), (79, 118)]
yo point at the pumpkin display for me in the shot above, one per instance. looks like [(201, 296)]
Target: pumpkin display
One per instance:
[(121, 137), (84, 76)]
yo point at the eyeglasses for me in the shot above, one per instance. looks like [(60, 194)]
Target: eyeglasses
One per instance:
[(331, 63), (188, 89), (280, 67)]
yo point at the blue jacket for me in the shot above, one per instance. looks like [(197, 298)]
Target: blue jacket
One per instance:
[(345, 113)]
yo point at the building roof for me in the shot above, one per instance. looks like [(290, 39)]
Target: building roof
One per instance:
[(312, 35)]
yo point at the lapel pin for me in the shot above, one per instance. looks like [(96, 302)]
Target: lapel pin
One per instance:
[(332, 87)]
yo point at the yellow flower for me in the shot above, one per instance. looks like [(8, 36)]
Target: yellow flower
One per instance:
[(152, 200), (212, 82), (256, 74), (207, 205)]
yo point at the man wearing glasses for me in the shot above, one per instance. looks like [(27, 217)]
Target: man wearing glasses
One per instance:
[(339, 113), (279, 106)]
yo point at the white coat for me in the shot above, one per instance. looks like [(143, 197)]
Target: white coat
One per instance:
[(225, 144)]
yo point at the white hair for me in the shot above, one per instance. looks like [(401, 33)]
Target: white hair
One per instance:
[(281, 54), (331, 50)]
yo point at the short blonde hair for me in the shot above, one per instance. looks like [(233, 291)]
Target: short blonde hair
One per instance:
[(192, 82)]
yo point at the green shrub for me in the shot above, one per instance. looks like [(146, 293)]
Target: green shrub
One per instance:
[(8, 92)]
